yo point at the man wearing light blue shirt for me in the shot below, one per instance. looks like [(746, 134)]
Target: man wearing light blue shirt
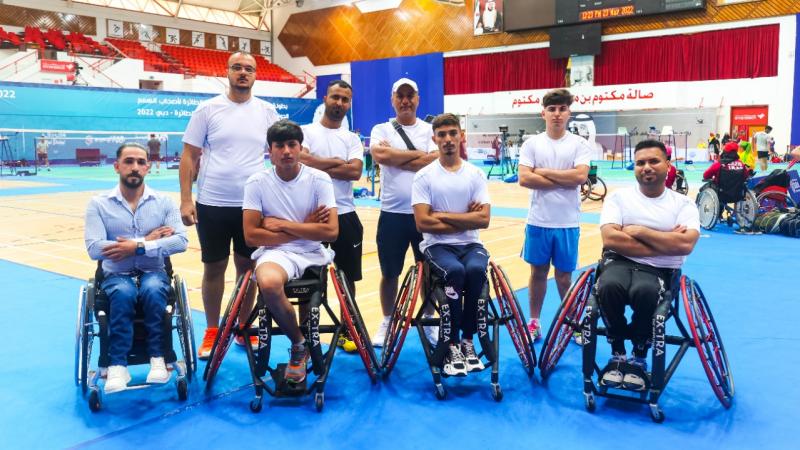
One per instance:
[(131, 229)]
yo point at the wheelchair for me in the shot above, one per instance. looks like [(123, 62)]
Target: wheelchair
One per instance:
[(681, 184), (594, 188), (310, 291), (714, 204), (579, 312), (93, 322), (418, 279)]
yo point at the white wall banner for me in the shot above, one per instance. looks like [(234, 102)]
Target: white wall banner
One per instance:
[(244, 45), (173, 36), (146, 33), (115, 28), (266, 48), (198, 39), (222, 42)]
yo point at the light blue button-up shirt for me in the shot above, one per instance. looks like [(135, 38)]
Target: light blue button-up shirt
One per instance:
[(109, 216)]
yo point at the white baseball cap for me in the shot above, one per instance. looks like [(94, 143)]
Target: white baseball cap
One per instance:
[(403, 81)]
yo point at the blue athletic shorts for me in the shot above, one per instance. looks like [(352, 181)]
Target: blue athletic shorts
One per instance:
[(556, 245)]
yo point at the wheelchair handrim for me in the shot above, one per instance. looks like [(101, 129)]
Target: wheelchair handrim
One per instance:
[(560, 331)]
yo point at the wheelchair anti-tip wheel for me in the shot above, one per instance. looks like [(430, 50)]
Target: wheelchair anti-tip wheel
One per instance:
[(708, 341), (708, 208), (227, 329), (566, 321), (185, 326), (354, 324), (402, 314), (515, 319)]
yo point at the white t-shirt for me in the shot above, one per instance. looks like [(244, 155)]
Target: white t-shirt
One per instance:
[(561, 207), (629, 206), (233, 137), (450, 192), (762, 141), (396, 182), (291, 200), (339, 143)]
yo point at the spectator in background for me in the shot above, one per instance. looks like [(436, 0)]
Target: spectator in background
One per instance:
[(155, 151), (41, 151), (714, 147)]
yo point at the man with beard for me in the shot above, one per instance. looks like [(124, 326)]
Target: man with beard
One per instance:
[(451, 203), (131, 229), (230, 132), (553, 165), (402, 146), (330, 147), (647, 232)]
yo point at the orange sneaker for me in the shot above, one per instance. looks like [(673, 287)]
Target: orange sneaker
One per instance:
[(253, 341), (296, 369), (208, 341)]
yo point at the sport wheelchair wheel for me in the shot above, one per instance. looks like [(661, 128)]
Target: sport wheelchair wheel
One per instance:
[(566, 321), (402, 314), (746, 210), (354, 323), (708, 341), (708, 207), (227, 328), (514, 318), (185, 326), (83, 336), (772, 200), (594, 190)]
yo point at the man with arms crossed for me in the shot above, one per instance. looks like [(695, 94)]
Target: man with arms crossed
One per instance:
[(451, 203), (230, 132), (399, 162), (330, 147), (289, 210), (553, 165), (131, 229), (647, 232)]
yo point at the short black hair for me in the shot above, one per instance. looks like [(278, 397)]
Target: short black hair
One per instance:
[(284, 130), (340, 83), (768, 128), (130, 144), (446, 119), (557, 97), (650, 143)]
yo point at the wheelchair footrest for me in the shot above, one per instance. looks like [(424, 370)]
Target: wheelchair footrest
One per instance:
[(286, 389)]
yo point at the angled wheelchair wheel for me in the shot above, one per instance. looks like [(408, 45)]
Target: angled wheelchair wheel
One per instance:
[(586, 188), (352, 319), (566, 321), (83, 346), (746, 210), (402, 314), (514, 318), (774, 200), (708, 341), (597, 191), (227, 329), (184, 325), (708, 208)]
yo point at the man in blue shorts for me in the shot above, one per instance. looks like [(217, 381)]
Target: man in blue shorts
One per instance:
[(553, 165)]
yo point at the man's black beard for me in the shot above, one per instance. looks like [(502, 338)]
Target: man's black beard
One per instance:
[(332, 115), (241, 90), (132, 182)]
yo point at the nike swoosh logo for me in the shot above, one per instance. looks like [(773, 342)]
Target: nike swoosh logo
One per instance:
[(356, 245)]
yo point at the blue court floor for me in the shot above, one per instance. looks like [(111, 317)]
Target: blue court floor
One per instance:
[(748, 280)]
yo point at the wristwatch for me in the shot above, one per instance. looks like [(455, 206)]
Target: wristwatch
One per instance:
[(139, 248)]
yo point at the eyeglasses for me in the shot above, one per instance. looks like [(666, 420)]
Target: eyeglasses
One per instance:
[(557, 109), (238, 67)]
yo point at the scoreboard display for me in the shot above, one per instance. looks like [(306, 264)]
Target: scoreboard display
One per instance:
[(580, 11), (528, 14)]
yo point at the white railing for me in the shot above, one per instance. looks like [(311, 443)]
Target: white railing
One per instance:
[(17, 63), (96, 71)]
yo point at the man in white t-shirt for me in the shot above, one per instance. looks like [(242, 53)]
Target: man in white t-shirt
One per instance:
[(229, 131), (553, 165), (399, 160), (330, 147), (451, 203), (762, 141), (647, 232), (289, 210)]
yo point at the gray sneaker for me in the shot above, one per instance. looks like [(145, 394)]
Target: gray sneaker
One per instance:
[(474, 364), (454, 364)]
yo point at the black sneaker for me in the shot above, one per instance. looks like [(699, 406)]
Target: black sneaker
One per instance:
[(471, 359), (613, 376), (454, 364), (633, 380)]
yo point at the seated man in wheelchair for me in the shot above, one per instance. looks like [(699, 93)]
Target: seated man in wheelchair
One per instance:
[(728, 175), (288, 211), (451, 203), (131, 229), (647, 232)]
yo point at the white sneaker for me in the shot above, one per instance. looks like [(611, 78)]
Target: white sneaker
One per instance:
[(158, 371), (474, 364), (118, 379), (454, 364), (431, 332), (613, 376), (380, 335)]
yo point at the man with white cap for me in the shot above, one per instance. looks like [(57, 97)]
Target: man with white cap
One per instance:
[(402, 146)]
